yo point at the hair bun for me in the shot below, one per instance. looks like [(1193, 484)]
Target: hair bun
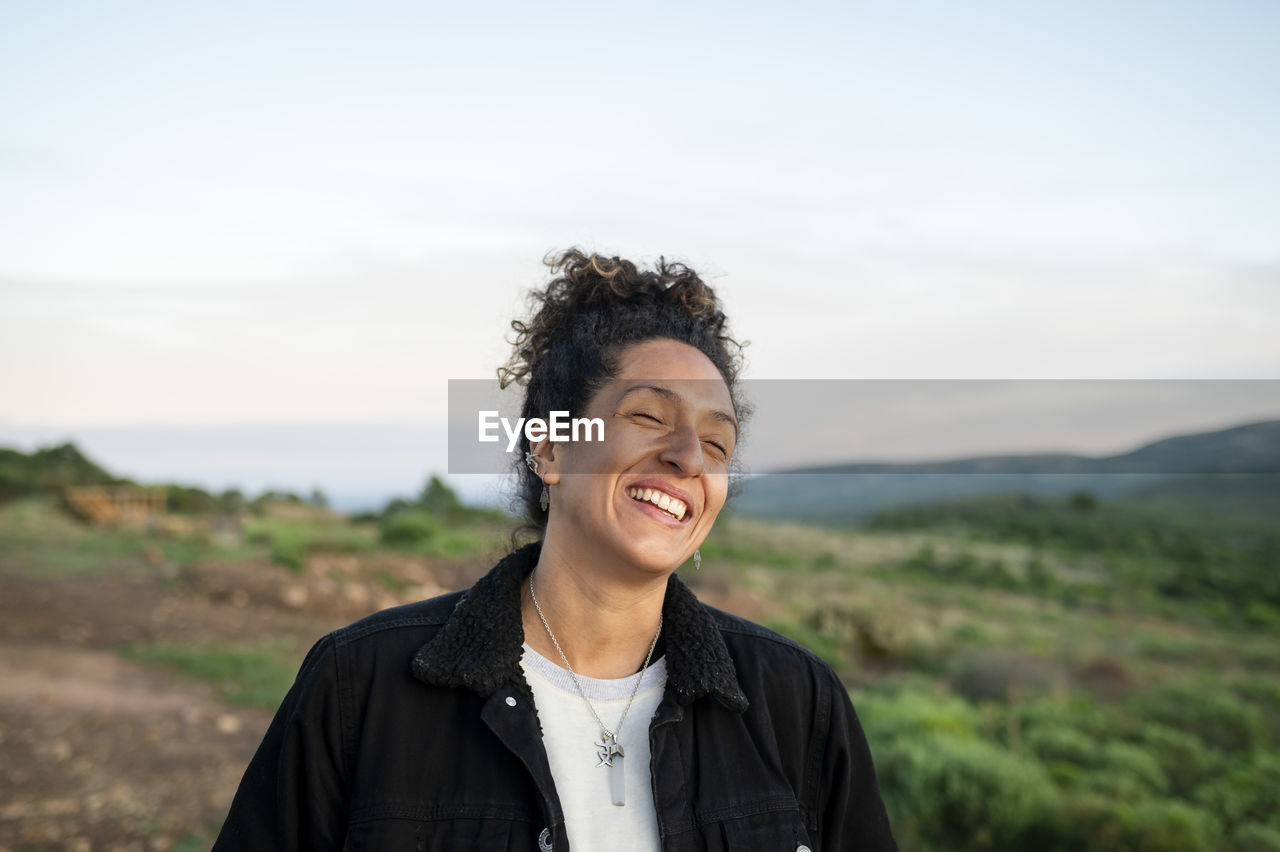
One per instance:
[(585, 285)]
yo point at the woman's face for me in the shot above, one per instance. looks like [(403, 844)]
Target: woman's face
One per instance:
[(647, 495)]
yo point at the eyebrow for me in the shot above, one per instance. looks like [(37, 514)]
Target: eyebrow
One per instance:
[(671, 396)]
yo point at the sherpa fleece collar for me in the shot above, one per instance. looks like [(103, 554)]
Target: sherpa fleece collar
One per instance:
[(479, 647)]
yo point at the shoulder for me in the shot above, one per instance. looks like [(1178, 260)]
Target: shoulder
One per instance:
[(383, 643), (374, 655), (424, 616), (745, 635), (769, 663)]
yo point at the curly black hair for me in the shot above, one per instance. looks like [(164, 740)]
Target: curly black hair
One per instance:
[(591, 310)]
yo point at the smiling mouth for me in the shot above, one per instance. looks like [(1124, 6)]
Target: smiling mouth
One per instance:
[(673, 507)]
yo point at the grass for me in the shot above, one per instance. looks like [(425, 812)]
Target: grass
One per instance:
[(1136, 712), (44, 543), (288, 540), (1140, 716), (195, 842), (461, 543), (249, 676)]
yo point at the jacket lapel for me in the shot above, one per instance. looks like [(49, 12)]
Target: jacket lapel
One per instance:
[(480, 646)]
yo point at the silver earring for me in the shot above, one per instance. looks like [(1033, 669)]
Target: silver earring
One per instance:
[(697, 560), (544, 499)]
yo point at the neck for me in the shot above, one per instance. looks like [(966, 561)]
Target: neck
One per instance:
[(605, 625)]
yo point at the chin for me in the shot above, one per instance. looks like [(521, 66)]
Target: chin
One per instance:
[(652, 560)]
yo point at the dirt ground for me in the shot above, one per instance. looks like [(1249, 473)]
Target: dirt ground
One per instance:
[(98, 753)]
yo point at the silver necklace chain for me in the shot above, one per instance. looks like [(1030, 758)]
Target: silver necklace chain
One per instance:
[(608, 734)]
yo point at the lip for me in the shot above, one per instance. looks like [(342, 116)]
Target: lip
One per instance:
[(668, 489)]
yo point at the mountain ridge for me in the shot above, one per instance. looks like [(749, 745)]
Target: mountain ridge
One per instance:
[(1236, 466)]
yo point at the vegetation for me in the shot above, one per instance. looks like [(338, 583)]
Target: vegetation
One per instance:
[(1049, 673), (290, 538), (1224, 566), (438, 524), (253, 676), (1041, 673), (48, 471), (50, 544), (196, 842)]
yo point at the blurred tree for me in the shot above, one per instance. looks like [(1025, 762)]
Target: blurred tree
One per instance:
[(231, 501), (439, 499)]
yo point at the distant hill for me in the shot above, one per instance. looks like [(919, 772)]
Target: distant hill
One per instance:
[(1227, 471), (49, 470)]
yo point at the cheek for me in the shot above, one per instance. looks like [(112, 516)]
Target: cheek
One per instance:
[(717, 493), (613, 455)]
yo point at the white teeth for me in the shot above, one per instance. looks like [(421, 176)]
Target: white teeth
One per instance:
[(666, 502)]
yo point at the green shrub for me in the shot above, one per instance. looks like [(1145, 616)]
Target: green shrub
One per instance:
[(909, 714), (439, 499), (1170, 826), (409, 528), (824, 561), (1187, 557), (441, 502), (1220, 718), (1100, 825), (1262, 689), (1261, 614), (289, 548), (289, 540), (1248, 792), (1039, 577), (1253, 837), (1124, 772), (1170, 649), (232, 501), (949, 793), (1054, 744), (973, 633), (1185, 760), (184, 499)]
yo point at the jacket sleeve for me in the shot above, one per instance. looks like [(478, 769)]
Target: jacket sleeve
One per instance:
[(853, 814), (293, 795)]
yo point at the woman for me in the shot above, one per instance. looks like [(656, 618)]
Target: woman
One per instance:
[(579, 693)]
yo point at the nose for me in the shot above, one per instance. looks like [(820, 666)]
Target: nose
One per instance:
[(683, 450)]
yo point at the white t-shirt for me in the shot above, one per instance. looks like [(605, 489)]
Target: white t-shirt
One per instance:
[(570, 733)]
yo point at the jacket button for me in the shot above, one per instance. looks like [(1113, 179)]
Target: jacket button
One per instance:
[(511, 701), (544, 841)]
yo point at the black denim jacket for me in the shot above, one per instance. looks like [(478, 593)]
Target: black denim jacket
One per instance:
[(415, 729)]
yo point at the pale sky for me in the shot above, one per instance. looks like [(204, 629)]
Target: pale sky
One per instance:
[(276, 213)]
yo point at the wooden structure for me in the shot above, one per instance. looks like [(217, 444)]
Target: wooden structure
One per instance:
[(115, 503)]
